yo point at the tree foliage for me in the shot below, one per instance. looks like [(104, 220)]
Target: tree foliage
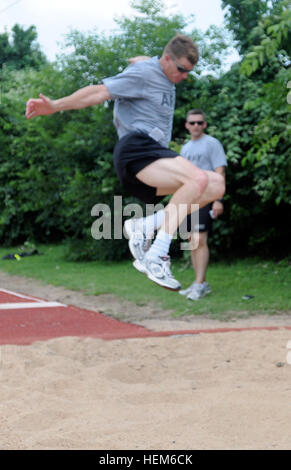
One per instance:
[(53, 170), (243, 16), (273, 32), (21, 49)]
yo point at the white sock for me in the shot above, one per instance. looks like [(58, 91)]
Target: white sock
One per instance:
[(154, 221), (161, 245)]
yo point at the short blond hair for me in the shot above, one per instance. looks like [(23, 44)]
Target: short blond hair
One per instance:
[(182, 46)]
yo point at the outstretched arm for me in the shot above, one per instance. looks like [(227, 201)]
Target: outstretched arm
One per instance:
[(83, 98)]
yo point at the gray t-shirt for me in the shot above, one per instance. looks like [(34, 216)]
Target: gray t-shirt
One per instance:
[(207, 152), (144, 100)]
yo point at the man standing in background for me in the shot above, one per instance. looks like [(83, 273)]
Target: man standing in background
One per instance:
[(207, 153)]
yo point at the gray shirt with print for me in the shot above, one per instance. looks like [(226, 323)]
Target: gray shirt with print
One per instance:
[(207, 152), (144, 100)]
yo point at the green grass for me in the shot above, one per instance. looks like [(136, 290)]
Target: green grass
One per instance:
[(268, 282)]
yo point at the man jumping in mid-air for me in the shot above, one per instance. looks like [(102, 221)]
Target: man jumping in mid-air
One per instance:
[(144, 95)]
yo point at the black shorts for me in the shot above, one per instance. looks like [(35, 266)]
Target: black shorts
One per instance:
[(205, 221), (132, 153)]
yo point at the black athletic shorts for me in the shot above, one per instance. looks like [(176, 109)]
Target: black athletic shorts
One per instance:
[(132, 153), (205, 221)]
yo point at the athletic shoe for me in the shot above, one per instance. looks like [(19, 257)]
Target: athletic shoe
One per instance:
[(138, 241), (158, 270), (187, 291), (197, 292), (207, 288)]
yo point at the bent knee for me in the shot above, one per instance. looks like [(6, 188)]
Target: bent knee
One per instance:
[(216, 183), (200, 180), (193, 174), (203, 181)]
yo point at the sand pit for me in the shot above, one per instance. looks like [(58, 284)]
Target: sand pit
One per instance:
[(204, 391)]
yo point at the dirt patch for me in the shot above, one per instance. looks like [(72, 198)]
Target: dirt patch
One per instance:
[(197, 391), (150, 315)]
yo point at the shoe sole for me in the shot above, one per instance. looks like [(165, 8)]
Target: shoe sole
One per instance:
[(198, 298), (186, 292), (131, 245), (141, 269), (129, 233)]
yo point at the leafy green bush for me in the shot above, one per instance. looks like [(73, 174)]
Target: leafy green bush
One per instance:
[(53, 170)]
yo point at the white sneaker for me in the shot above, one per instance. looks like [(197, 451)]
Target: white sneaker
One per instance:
[(138, 240), (207, 288), (186, 291), (158, 270), (197, 292)]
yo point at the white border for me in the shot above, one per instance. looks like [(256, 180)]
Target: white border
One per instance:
[(37, 303)]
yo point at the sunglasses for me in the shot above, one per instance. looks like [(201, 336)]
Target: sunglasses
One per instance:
[(199, 123), (179, 67)]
